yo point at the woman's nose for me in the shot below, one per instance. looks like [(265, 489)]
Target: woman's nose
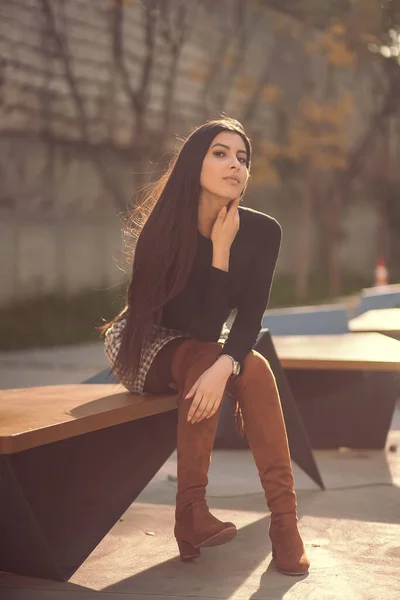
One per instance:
[(235, 163)]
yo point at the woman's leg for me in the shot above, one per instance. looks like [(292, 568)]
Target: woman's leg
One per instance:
[(159, 375), (256, 391), (195, 527)]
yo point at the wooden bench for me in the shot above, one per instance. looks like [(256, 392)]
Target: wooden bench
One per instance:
[(72, 460), (345, 386), (385, 320)]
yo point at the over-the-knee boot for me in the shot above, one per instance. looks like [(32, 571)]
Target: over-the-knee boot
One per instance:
[(195, 526), (257, 397)]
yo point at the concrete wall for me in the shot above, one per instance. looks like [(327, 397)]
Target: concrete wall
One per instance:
[(59, 231), (59, 224), (44, 253)]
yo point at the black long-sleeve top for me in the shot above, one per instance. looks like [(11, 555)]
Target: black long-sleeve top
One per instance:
[(210, 295)]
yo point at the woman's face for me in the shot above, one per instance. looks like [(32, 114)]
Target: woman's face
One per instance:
[(224, 172)]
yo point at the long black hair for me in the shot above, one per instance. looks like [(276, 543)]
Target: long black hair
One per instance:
[(166, 241)]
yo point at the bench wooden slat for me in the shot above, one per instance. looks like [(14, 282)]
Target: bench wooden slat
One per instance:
[(347, 351), (385, 320), (31, 417)]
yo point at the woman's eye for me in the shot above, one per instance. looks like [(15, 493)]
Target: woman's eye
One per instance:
[(219, 153)]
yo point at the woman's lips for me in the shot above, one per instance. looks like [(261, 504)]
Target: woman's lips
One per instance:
[(231, 180)]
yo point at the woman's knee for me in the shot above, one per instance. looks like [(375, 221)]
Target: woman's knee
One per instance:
[(256, 366)]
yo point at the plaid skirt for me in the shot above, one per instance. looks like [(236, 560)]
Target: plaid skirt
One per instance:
[(156, 341), (153, 344)]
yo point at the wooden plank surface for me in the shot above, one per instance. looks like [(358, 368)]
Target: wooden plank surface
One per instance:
[(385, 320), (346, 351), (31, 417)]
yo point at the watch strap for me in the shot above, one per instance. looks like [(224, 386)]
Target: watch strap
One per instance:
[(236, 366)]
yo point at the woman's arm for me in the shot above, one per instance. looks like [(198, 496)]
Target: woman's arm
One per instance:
[(248, 322), (207, 391), (202, 313)]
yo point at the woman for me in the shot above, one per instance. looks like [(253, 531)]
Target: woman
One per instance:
[(198, 257)]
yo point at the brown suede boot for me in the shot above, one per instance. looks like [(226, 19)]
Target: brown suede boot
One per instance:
[(195, 526), (257, 398)]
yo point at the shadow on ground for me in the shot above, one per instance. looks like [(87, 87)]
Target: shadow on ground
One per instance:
[(224, 568)]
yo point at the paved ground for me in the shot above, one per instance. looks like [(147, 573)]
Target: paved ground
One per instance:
[(351, 531)]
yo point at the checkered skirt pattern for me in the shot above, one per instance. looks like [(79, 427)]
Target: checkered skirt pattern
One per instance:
[(153, 344)]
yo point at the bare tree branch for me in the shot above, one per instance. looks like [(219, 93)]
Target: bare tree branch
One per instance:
[(175, 35), (389, 107), (243, 35), (138, 97), (92, 153), (254, 100), (63, 54), (215, 67)]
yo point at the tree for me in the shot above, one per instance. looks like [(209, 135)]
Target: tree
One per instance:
[(358, 32), (373, 27), (317, 144)]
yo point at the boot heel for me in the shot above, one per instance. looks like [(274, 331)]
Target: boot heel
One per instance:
[(187, 551)]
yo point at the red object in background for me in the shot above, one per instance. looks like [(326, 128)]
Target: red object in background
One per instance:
[(381, 273)]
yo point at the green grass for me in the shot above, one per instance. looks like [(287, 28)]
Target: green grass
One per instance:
[(55, 320)]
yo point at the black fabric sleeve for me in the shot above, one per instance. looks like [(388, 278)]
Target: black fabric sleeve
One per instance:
[(248, 321), (201, 315)]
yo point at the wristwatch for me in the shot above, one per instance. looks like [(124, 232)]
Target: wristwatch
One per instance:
[(236, 366)]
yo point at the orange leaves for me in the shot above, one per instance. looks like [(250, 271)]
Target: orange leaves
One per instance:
[(263, 171), (324, 161), (284, 25), (319, 133), (332, 43), (335, 47), (333, 112), (337, 29), (197, 73), (229, 59), (262, 167), (317, 139), (271, 92), (338, 55), (246, 84)]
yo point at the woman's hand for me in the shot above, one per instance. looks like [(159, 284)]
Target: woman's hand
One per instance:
[(208, 390), (226, 226)]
